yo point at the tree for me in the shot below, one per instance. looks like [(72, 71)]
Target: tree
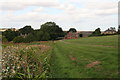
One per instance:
[(119, 29), (52, 29), (26, 30), (18, 39), (10, 35), (97, 32), (4, 40), (72, 30), (112, 28), (45, 37), (29, 38)]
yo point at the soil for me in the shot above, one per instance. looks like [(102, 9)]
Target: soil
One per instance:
[(72, 58), (93, 64)]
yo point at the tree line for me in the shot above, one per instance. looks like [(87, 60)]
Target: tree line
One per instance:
[(47, 31), (98, 32)]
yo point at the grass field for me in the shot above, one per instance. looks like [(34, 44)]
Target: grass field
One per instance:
[(92, 57)]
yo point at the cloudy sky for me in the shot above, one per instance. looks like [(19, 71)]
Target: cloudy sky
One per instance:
[(79, 14)]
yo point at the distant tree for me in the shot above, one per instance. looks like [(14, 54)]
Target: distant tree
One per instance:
[(26, 30), (97, 32), (72, 30), (10, 35), (119, 29), (112, 28), (52, 29)]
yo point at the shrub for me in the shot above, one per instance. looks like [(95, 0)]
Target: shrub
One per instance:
[(18, 39), (4, 39), (29, 38)]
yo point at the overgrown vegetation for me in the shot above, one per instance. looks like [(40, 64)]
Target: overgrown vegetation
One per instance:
[(26, 61)]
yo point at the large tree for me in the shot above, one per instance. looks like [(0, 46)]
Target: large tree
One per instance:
[(50, 28), (10, 35), (26, 30)]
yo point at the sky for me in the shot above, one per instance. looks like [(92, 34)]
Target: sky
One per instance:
[(84, 15)]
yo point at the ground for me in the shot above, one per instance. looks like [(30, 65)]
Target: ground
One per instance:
[(91, 57)]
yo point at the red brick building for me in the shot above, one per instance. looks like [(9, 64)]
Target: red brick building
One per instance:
[(71, 35)]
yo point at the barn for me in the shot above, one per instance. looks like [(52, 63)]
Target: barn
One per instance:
[(71, 35)]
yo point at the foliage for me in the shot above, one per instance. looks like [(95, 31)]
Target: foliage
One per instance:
[(10, 35), (39, 35), (48, 31), (72, 30), (52, 29), (119, 29), (29, 38), (45, 37), (112, 29), (97, 32), (18, 39), (26, 30), (4, 40)]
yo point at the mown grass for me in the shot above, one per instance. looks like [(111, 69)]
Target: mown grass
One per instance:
[(86, 51)]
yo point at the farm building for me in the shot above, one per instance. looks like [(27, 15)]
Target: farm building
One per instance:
[(85, 33), (71, 35)]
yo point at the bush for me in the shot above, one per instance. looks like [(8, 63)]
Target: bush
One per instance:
[(45, 37), (97, 32), (10, 35), (4, 39), (18, 39), (29, 38)]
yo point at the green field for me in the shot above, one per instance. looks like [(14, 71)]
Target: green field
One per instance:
[(91, 57)]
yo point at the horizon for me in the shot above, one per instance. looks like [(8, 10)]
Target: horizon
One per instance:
[(79, 14)]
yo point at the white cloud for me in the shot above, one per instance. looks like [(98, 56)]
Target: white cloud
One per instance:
[(91, 13), (21, 4)]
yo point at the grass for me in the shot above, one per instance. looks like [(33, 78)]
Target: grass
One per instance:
[(71, 58), (91, 57)]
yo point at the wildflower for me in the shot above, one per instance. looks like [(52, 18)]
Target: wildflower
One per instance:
[(18, 67), (13, 67), (8, 67), (13, 71)]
